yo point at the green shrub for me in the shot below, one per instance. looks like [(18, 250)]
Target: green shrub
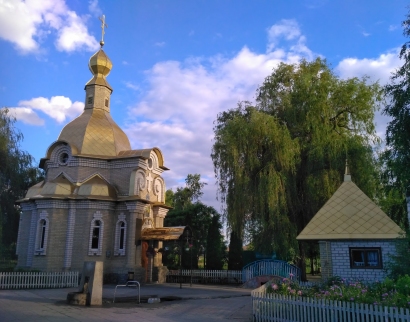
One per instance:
[(389, 292), (399, 263)]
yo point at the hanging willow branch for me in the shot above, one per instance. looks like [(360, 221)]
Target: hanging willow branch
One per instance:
[(279, 160)]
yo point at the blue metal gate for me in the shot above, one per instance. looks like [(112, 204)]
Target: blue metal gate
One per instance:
[(270, 267)]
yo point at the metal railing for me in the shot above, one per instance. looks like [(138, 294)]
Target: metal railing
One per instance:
[(130, 284), (270, 267), (205, 276)]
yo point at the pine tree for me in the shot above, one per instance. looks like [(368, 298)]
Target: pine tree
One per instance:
[(235, 261), (215, 245)]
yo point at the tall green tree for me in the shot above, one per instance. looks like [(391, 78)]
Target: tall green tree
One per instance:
[(396, 157), (169, 198), (279, 160), (399, 262), (199, 217), (189, 211), (16, 175), (184, 197), (215, 250), (235, 258)]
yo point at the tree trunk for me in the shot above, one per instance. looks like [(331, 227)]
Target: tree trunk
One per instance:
[(312, 267), (302, 263)]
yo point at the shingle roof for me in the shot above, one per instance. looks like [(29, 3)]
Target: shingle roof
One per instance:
[(350, 214)]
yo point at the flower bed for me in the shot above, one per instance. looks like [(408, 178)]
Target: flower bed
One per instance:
[(384, 293)]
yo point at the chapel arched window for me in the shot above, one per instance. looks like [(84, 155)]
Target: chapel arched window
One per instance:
[(41, 235), (120, 236), (96, 235)]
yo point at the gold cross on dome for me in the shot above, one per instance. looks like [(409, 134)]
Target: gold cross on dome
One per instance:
[(103, 24)]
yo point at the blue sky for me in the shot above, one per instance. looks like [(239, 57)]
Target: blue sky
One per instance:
[(177, 64)]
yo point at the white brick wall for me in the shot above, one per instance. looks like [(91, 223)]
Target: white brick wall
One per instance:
[(340, 260)]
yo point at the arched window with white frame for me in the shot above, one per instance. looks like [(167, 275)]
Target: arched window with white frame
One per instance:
[(42, 234), (96, 235), (120, 236)]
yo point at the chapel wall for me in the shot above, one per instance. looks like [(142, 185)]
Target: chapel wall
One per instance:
[(117, 263), (82, 235), (57, 231), (24, 233), (116, 172)]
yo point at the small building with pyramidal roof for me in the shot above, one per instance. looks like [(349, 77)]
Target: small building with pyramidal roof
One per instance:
[(355, 236), (100, 200)]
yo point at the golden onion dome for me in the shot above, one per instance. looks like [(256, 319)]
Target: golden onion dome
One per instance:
[(100, 66), (95, 133)]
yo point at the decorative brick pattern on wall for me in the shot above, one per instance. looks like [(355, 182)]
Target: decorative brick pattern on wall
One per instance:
[(115, 172), (70, 236), (19, 233), (32, 236)]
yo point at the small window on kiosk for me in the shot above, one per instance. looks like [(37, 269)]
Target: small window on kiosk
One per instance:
[(365, 257)]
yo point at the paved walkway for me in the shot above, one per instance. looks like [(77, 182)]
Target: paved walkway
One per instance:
[(199, 303)]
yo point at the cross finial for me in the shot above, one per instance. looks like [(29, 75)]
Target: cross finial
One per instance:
[(103, 25)]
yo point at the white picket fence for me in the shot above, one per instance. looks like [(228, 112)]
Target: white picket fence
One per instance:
[(278, 308), (206, 276), (19, 280)]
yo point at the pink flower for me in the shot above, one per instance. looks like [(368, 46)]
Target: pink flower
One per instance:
[(274, 286), (300, 293)]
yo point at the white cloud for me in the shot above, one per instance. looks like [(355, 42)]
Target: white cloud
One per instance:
[(184, 98), (286, 29), (378, 69), (58, 108), (74, 35), (132, 86), (393, 27), (27, 23), (94, 8), (295, 42), (26, 115), (160, 44)]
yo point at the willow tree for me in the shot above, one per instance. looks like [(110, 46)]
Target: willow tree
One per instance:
[(279, 160), (396, 156), (17, 174)]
